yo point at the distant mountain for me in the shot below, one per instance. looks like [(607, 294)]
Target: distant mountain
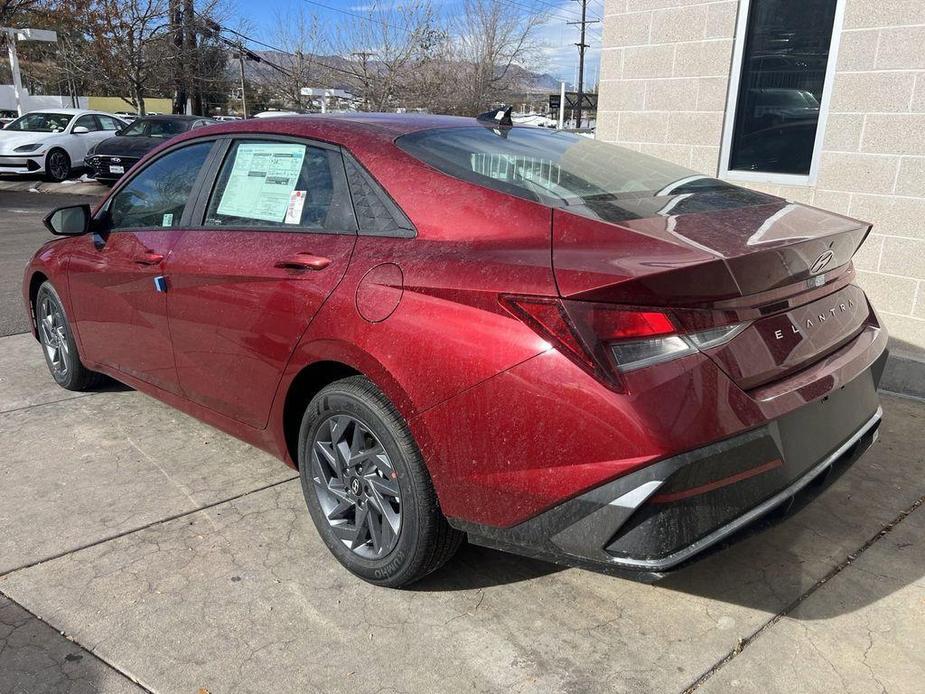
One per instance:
[(523, 81)]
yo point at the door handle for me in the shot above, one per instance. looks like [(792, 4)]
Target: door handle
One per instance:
[(148, 258), (303, 261)]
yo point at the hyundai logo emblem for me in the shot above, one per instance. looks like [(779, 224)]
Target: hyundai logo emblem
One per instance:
[(822, 262)]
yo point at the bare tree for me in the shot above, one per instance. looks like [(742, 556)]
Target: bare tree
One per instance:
[(12, 9), (489, 39), (385, 48), (299, 33), (127, 47)]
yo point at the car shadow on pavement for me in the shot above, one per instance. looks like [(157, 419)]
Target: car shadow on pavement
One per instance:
[(36, 658), (476, 567), (111, 385)]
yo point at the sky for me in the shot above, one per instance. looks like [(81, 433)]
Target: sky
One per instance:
[(557, 39)]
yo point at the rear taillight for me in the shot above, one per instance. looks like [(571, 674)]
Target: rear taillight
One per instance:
[(607, 340)]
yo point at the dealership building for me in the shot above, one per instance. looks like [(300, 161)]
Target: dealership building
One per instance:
[(818, 101)]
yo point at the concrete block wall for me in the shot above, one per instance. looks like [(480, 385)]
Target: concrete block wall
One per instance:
[(665, 68)]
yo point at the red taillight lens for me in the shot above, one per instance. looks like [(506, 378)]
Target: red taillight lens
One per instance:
[(547, 317), (605, 340), (583, 331)]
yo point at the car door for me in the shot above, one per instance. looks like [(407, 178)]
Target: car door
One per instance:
[(274, 238), (79, 143), (116, 274)]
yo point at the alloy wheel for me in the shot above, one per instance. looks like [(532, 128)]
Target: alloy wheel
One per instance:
[(357, 486), (58, 166), (53, 331)]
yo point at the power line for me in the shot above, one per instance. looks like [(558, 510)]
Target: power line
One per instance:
[(309, 56)]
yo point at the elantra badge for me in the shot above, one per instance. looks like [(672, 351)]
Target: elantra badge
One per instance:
[(821, 262), (820, 318)]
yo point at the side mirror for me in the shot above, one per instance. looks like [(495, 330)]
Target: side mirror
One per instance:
[(80, 130), (69, 221)]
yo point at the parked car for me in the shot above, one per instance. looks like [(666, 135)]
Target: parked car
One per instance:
[(127, 116), (53, 141), (112, 157), (548, 344), (7, 116), (227, 118)]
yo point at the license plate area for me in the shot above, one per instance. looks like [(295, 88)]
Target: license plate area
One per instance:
[(116, 169)]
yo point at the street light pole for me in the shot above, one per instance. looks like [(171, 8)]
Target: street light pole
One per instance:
[(17, 77), (14, 35)]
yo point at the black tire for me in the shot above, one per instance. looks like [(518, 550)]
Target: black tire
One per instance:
[(57, 165), (425, 541), (58, 338)]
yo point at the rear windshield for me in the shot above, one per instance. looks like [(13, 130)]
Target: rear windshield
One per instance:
[(552, 167)]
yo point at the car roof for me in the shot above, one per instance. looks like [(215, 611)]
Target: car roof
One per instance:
[(339, 128), (63, 109), (69, 111), (173, 116)]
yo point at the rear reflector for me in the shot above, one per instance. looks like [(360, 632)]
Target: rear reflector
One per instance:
[(638, 354)]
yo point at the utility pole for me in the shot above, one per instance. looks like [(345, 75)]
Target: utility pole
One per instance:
[(243, 93), (581, 57), (176, 19)]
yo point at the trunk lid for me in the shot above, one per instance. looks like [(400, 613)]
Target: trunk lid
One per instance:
[(721, 256)]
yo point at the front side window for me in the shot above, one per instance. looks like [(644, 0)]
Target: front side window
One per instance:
[(41, 123), (88, 122), (281, 184), (782, 76), (157, 195)]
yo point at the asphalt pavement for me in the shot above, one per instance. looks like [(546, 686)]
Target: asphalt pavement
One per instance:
[(21, 233)]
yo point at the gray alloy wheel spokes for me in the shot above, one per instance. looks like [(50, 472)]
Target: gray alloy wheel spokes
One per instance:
[(357, 486), (53, 332), (57, 166)]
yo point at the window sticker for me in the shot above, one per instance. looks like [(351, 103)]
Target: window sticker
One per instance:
[(167, 220), (262, 180), (296, 203)]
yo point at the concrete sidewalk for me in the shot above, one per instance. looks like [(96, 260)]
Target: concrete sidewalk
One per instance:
[(140, 549)]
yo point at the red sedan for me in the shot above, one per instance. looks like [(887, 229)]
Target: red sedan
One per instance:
[(455, 328)]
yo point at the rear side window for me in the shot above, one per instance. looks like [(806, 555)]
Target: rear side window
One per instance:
[(288, 185), (157, 195), (109, 123)]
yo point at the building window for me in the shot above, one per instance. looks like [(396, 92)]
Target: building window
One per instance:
[(781, 80)]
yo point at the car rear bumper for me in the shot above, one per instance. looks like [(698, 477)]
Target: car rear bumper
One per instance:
[(651, 521)]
